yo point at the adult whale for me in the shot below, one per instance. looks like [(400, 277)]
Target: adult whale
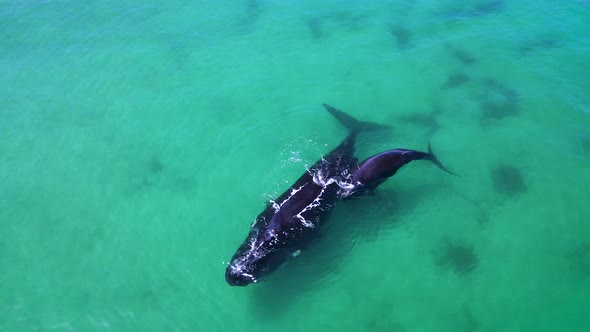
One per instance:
[(288, 223)]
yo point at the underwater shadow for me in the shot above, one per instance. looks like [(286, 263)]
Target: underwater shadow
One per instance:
[(354, 221)]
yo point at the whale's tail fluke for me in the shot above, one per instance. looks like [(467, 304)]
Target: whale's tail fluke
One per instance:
[(432, 157), (352, 124)]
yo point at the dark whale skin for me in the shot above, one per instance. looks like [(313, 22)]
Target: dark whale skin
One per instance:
[(289, 223), (374, 170)]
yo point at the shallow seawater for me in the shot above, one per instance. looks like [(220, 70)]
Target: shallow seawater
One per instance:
[(139, 140)]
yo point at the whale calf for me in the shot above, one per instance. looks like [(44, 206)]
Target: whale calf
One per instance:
[(290, 222), (376, 169)]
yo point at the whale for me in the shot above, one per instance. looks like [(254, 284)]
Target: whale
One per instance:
[(376, 169), (291, 221)]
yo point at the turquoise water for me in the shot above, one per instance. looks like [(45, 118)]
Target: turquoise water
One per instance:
[(139, 140)]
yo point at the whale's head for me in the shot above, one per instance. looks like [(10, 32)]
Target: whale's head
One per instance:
[(254, 259), (250, 266)]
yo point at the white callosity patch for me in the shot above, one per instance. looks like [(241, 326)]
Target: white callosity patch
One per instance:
[(277, 206), (343, 181), (239, 267), (346, 189), (345, 184), (321, 179), (317, 201)]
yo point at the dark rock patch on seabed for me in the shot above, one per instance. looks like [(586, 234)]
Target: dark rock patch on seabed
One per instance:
[(455, 80), (579, 258), (252, 11), (508, 180), (489, 7), (457, 256), (319, 24), (482, 218), (402, 36), (315, 26), (538, 45), (155, 165), (471, 322), (479, 9), (585, 141), (155, 168), (498, 101), (461, 55)]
